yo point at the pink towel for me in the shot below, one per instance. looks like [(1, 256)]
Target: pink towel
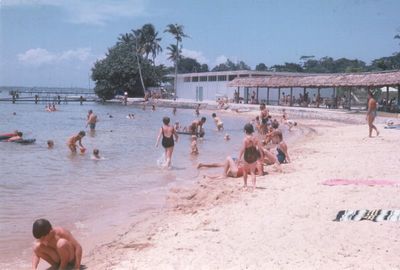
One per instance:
[(367, 182)]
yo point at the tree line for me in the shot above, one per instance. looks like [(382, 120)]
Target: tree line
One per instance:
[(129, 65)]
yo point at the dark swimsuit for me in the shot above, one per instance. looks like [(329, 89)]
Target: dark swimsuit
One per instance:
[(251, 154), (280, 156), (167, 142)]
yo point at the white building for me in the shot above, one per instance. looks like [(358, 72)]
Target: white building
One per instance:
[(209, 86)]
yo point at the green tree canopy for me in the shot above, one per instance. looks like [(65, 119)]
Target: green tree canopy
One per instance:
[(261, 67), (190, 65), (229, 65)]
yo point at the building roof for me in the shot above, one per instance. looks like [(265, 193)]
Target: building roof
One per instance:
[(370, 79), (237, 72)]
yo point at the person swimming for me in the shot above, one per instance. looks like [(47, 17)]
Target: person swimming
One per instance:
[(50, 144)]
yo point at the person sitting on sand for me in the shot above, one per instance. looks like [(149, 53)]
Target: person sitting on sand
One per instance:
[(17, 136), (193, 146), (167, 133), (56, 246), (290, 124), (282, 154), (76, 139), (218, 122), (50, 144), (250, 152), (91, 120), (233, 167)]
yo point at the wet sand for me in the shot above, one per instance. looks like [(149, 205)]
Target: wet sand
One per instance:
[(286, 223)]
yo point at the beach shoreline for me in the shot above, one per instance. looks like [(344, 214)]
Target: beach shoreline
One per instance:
[(198, 205)]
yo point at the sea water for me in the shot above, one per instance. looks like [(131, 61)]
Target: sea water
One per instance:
[(84, 195)]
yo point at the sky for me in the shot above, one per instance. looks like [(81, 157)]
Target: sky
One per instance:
[(55, 42)]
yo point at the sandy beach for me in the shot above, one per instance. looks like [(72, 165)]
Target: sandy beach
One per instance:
[(287, 223)]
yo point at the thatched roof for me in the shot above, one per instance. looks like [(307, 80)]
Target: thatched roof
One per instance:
[(371, 79)]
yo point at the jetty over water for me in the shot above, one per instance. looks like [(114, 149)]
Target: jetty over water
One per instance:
[(48, 95)]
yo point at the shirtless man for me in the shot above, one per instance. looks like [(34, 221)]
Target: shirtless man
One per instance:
[(76, 139), (196, 128), (55, 245), (371, 114), (91, 120)]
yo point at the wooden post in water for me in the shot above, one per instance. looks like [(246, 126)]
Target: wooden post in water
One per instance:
[(291, 97), (59, 99), (36, 99), (279, 95), (81, 99), (268, 96), (257, 96), (13, 98)]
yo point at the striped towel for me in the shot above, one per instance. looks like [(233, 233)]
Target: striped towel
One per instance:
[(372, 215)]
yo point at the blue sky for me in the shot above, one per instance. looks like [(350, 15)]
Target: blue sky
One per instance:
[(55, 42)]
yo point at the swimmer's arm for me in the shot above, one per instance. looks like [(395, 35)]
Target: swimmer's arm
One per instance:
[(159, 137), (35, 261)]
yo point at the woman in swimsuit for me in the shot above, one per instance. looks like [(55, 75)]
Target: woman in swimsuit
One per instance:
[(251, 153), (167, 133), (264, 113)]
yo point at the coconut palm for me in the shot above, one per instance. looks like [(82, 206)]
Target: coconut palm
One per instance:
[(139, 52), (150, 41), (177, 32)]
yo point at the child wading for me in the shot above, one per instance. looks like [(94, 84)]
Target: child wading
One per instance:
[(251, 153), (167, 133)]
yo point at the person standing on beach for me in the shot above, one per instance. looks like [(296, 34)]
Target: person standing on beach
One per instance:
[(91, 120), (56, 246), (264, 113), (371, 114), (167, 133), (250, 152)]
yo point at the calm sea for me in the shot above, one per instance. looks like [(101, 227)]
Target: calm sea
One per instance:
[(74, 190)]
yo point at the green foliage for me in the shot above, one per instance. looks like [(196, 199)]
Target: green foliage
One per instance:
[(287, 67), (386, 63), (229, 65), (190, 65), (261, 67), (124, 65)]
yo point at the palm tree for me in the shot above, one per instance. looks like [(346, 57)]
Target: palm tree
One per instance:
[(150, 41), (139, 51), (177, 32), (173, 53)]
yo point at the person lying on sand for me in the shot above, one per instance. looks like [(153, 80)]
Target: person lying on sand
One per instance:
[(233, 167), (55, 245)]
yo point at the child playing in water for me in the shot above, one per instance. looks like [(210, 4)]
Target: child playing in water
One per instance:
[(76, 139), (167, 133), (177, 126), (55, 245), (218, 122), (227, 137), (50, 144), (196, 128), (250, 152), (193, 146), (96, 154)]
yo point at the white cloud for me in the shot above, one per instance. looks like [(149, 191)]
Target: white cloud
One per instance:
[(220, 59), (39, 56), (195, 55), (88, 11)]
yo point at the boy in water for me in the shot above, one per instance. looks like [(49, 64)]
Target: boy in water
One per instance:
[(16, 137), (76, 139), (218, 122), (174, 110), (167, 133), (55, 245), (193, 146), (50, 144), (96, 154), (196, 128), (91, 120)]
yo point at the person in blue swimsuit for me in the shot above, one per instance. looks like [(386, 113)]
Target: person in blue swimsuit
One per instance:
[(281, 148)]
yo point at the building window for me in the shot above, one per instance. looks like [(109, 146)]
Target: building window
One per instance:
[(203, 78), (221, 78), (231, 77), (212, 78), (195, 79), (186, 79)]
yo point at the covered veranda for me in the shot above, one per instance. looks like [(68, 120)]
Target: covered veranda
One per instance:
[(347, 81)]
